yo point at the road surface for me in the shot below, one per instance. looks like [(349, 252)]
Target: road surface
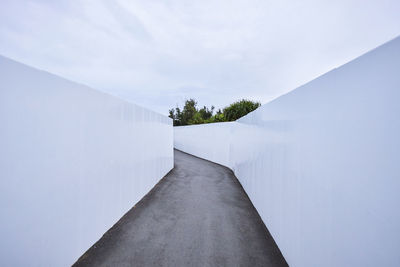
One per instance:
[(197, 215)]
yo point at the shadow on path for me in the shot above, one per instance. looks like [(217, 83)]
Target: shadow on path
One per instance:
[(197, 215)]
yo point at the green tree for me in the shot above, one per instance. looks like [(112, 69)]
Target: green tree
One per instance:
[(196, 119), (172, 115), (189, 111), (219, 117), (191, 115), (206, 113), (239, 109), (176, 116)]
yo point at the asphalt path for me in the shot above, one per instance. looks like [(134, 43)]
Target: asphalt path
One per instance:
[(197, 215)]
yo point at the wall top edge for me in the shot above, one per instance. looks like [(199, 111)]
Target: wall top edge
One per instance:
[(6, 62)]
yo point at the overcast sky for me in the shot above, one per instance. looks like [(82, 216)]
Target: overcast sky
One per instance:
[(157, 53)]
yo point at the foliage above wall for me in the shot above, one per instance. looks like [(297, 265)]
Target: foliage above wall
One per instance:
[(190, 114)]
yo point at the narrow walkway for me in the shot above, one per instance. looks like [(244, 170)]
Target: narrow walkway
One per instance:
[(197, 215)]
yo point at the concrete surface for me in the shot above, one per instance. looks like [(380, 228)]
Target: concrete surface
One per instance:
[(197, 215)]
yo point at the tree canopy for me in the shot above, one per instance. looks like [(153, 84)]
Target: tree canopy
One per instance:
[(190, 114)]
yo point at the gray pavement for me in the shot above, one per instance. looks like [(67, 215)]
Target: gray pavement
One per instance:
[(197, 215)]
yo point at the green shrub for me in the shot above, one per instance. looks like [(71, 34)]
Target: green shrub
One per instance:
[(190, 114), (239, 109)]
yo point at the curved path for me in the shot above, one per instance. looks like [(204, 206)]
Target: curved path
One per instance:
[(197, 215)]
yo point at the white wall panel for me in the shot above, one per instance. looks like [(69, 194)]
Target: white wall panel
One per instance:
[(321, 164), (73, 160), (215, 136)]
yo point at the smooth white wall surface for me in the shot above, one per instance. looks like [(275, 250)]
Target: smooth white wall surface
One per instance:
[(213, 143), (73, 160), (321, 164)]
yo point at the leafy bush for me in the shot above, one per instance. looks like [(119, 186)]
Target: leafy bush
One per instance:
[(239, 109), (190, 114)]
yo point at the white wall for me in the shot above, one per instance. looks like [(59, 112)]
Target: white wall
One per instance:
[(321, 164), (216, 135), (73, 160)]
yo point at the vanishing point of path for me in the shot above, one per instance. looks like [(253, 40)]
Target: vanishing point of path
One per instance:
[(197, 215)]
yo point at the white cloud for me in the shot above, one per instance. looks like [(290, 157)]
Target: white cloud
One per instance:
[(156, 53)]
